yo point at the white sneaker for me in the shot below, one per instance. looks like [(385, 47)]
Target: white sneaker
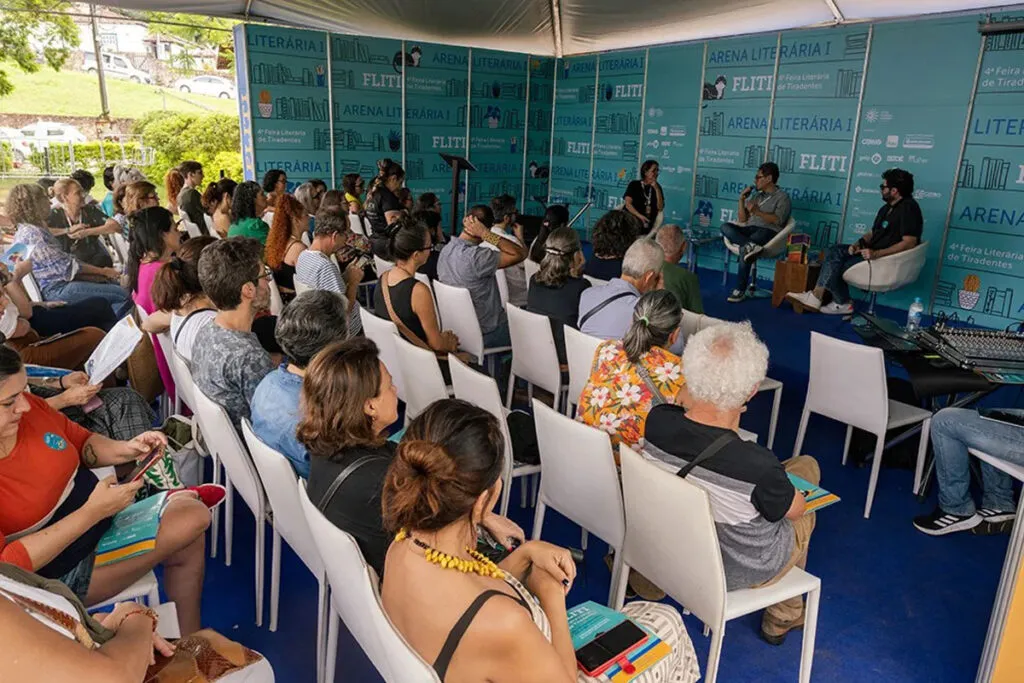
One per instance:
[(806, 299), (832, 308), (737, 296)]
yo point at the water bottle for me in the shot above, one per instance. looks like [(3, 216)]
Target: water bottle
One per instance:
[(914, 315)]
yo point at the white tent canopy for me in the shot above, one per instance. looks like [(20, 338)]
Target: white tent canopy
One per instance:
[(559, 27)]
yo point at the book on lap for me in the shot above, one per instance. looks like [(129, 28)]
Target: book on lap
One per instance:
[(132, 531), (815, 496)]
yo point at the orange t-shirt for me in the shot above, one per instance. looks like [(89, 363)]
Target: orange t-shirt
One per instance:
[(34, 476)]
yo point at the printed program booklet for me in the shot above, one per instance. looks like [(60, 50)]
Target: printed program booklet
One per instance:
[(132, 531), (815, 496), (113, 350), (588, 620)]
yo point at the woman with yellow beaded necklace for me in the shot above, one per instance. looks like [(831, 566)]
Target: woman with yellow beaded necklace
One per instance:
[(469, 617)]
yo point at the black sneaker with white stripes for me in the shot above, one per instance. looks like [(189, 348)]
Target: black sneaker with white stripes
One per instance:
[(940, 523), (994, 522)]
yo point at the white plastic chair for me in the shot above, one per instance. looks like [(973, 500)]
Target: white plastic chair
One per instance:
[(482, 391), (579, 352), (502, 280), (186, 392), (146, 587), (301, 287), (211, 229), (276, 303), (456, 307), (191, 228), (775, 246), (693, 323), (355, 224), (32, 288), (356, 599), (847, 383), (383, 333), (580, 480), (534, 355), (532, 267), (381, 266), (595, 281), (689, 567), (120, 246), (240, 475), (165, 397), (887, 273), (281, 485), (421, 375)]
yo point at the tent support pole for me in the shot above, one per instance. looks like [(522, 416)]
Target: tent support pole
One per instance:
[(834, 8), (556, 27)]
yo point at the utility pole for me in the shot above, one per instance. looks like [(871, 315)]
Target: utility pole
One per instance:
[(96, 46)]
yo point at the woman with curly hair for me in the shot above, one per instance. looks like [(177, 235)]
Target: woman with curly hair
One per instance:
[(173, 182), (247, 206), (613, 234), (284, 241)]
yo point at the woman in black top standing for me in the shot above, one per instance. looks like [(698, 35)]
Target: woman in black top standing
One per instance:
[(556, 288), (644, 198), (409, 246), (382, 205)]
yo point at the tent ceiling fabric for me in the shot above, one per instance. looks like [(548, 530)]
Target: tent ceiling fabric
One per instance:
[(582, 25)]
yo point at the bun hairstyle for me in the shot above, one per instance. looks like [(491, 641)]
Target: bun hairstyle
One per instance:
[(559, 253), (405, 236), (451, 453), (656, 316), (555, 216), (177, 281), (215, 192), (386, 168)]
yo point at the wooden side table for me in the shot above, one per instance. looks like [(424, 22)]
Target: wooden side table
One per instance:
[(793, 277)]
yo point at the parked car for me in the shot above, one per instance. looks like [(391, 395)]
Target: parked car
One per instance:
[(117, 66), (214, 86), (20, 148), (42, 133)]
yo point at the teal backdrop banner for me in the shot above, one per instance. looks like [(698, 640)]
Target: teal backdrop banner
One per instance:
[(573, 137), (497, 124), (833, 107), (366, 90), (671, 115)]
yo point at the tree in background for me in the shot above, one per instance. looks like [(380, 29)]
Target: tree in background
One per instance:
[(209, 32), (28, 30), (210, 139)]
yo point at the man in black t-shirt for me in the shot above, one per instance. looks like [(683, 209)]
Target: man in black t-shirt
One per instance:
[(898, 227), (762, 528)]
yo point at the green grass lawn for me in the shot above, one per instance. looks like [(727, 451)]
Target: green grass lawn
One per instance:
[(75, 93)]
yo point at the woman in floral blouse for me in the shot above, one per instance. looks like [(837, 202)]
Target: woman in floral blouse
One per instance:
[(631, 376)]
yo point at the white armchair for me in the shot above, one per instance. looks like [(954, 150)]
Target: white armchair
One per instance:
[(774, 247), (887, 273)]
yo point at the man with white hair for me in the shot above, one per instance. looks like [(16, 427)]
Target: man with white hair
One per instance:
[(759, 515), (683, 284), (606, 312)]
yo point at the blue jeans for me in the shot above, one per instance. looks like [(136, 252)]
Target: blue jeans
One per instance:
[(78, 290), (745, 234), (498, 337), (837, 260), (954, 430)]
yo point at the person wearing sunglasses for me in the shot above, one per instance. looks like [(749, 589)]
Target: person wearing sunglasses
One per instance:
[(763, 210), (898, 226)]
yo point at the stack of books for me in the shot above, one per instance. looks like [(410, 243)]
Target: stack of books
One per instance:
[(797, 247), (589, 620)]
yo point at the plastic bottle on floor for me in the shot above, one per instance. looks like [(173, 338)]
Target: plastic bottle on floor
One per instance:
[(914, 315)]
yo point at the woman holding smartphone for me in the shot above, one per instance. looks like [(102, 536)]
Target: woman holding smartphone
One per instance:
[(472, 619)]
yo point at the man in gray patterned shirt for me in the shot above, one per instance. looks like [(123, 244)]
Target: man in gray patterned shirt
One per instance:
[(227, 359)]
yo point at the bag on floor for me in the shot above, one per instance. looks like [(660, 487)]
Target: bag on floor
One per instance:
[(523, 434)]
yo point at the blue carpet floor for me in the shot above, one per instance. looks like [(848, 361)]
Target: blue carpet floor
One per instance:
[(896, 605)]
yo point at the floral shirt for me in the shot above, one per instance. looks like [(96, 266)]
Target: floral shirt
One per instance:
[(617, 400)]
